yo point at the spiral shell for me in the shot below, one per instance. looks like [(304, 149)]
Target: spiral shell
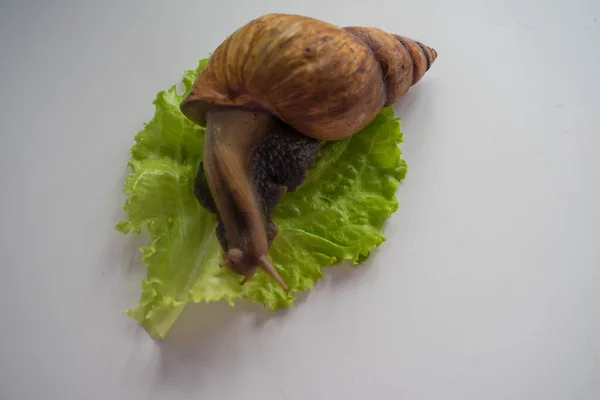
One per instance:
[(325, 81)]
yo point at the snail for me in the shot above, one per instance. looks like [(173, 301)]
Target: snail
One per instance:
[(267, 96)]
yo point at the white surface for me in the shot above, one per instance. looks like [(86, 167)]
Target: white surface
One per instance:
[(487, 288)]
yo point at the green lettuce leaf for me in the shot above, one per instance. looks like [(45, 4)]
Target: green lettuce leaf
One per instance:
[(336, 214)]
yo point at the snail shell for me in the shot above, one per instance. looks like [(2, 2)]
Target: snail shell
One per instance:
[(299, 80), (325, 81)]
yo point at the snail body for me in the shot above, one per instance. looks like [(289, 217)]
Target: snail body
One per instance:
[(299, 80)]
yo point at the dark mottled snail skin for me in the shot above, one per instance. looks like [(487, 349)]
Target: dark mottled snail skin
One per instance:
[(267, 96)]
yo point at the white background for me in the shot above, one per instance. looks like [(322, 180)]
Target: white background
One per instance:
[(487, 288)]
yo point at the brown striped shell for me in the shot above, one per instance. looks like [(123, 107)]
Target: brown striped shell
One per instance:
[(325, 81)]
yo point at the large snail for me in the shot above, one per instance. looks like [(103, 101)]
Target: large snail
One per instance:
[(267, 95)]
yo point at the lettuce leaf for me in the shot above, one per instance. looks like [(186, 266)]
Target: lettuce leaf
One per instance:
[(336, 214)]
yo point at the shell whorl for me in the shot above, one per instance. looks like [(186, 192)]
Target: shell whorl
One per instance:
[(403, 61), (324, 81)]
